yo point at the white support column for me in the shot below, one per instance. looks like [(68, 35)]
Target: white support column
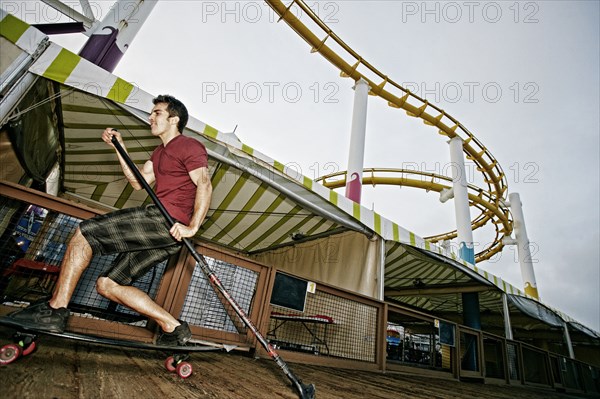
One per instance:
[(461, 199), (128, 16), (470, 300), (53, 181), (111, 37), (357, 141), (508, 334), (568, 340), (381, 281), (522, 242)]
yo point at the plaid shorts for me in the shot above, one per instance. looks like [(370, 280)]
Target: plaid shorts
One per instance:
[(139, 235)]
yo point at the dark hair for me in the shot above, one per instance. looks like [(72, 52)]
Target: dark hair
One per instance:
[(175, 108)]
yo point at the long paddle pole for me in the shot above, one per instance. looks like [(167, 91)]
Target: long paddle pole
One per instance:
[(305, 391)]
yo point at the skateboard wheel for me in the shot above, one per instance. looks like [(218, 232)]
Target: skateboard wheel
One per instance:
[(29, 349), (9, 353), (170, 364), (184, 369)]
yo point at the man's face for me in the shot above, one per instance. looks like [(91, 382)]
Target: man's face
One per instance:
[(160, 122)]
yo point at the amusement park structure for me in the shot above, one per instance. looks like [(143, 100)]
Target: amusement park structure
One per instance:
[(491, 200), (360, 275)]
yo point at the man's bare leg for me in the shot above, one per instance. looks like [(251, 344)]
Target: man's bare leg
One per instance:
[(76, 260), (137, 300)]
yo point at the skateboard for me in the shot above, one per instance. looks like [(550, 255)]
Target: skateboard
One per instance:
[(25, 343)]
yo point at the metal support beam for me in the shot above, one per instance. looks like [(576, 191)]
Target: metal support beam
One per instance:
[(522, 243), (110, 38), (466, 250), (87, 19), (568, 340), (381, 270), (508, 334), (357, 141)]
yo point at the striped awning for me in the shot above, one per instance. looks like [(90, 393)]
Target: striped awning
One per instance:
[(417, 279), (253, 207)]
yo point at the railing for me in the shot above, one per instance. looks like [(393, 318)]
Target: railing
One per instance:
[(471, 353), (519, 363), (420, 341), (495, 355)]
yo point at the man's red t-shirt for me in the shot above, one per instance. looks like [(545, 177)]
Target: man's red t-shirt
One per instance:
[(172, 165)]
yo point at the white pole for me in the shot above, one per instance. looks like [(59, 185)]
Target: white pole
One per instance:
[(470, 300), (523, 250), (568, 340), (110, 38), (461, 199), (129, 16), (508, 334), (53, 181), (381, 290), (357, 141)]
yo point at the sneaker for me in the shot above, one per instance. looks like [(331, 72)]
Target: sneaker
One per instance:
[(40, 316), (179, 337)]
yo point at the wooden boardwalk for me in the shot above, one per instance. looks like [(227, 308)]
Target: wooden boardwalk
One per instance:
[(68, 370)]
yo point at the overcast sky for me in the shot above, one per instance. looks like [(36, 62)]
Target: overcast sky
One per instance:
[(522, 76)]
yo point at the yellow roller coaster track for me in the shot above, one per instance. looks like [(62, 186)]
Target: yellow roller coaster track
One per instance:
[(490, 201)]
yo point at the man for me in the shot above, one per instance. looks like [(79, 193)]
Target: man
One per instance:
[(140, 236)]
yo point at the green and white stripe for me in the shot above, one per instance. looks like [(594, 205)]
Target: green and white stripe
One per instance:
[(20, 33), (63, 66)]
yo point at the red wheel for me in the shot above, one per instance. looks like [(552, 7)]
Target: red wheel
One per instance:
[(32, 347), (170, 364), (9, 353), (184, 369)]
